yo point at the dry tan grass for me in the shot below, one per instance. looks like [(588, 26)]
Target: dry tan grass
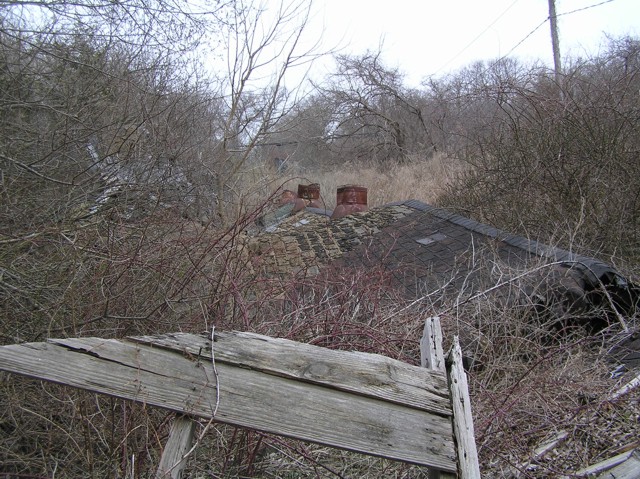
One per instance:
[(419, 179)]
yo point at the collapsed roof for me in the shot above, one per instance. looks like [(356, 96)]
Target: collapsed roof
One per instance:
[(431, 254)]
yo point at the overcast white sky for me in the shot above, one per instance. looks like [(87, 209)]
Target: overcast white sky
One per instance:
[(427, 37)]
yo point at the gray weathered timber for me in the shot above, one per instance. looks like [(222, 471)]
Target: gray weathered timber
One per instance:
[(432, 357), (278, 402), (173, 460), (622, 466), (468, 464), (431, 352), (630, 386), (350, 371), (628, 469)]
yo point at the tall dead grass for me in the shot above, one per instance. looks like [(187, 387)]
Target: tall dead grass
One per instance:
[(419, 179)]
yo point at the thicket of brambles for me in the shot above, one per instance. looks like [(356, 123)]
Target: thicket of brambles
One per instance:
[(130, 165)]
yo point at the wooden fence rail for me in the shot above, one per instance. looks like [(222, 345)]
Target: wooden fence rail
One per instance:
[(356, 401)]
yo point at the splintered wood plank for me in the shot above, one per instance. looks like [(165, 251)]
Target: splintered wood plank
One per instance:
[(622, 466), (432, 357), (249, 398), (363, 373), (462, 417), (115, 368)]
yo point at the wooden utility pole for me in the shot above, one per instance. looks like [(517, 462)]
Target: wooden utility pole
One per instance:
[(555, 42)]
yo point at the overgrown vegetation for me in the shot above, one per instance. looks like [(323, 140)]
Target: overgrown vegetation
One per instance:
[(129, 174), (559, 161)]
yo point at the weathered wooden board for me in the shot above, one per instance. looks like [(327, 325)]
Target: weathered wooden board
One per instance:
[(250, 398), (629, 468), (366, 374), (431, 352), (180, 439), (622, 466), (463, 419), (432, 357)]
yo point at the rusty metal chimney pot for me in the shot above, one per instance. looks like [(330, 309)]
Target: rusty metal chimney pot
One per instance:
[(309, 195), (309, 192), (350, 199)]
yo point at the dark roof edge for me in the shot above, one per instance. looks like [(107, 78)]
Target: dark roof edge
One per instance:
[(594, 266)]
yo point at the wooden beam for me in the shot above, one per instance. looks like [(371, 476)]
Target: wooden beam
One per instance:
[(173, 460), (630, 386), (264, 385), (431, 352), (366, 374), (539, 452), (432, 357), (622, 466), (468, 465)]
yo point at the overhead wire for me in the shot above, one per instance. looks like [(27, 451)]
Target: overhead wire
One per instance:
[(547, 19), (585, 8), (523, 39), (477, 37)]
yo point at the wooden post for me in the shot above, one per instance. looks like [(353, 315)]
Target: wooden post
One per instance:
[(432, 357), (431, 353), (555, 42), (173, 460), (468, 465)]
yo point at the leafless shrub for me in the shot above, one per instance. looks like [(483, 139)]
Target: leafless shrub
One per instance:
[(560, 159), (109, 227), (530, 379), (51, 430)]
